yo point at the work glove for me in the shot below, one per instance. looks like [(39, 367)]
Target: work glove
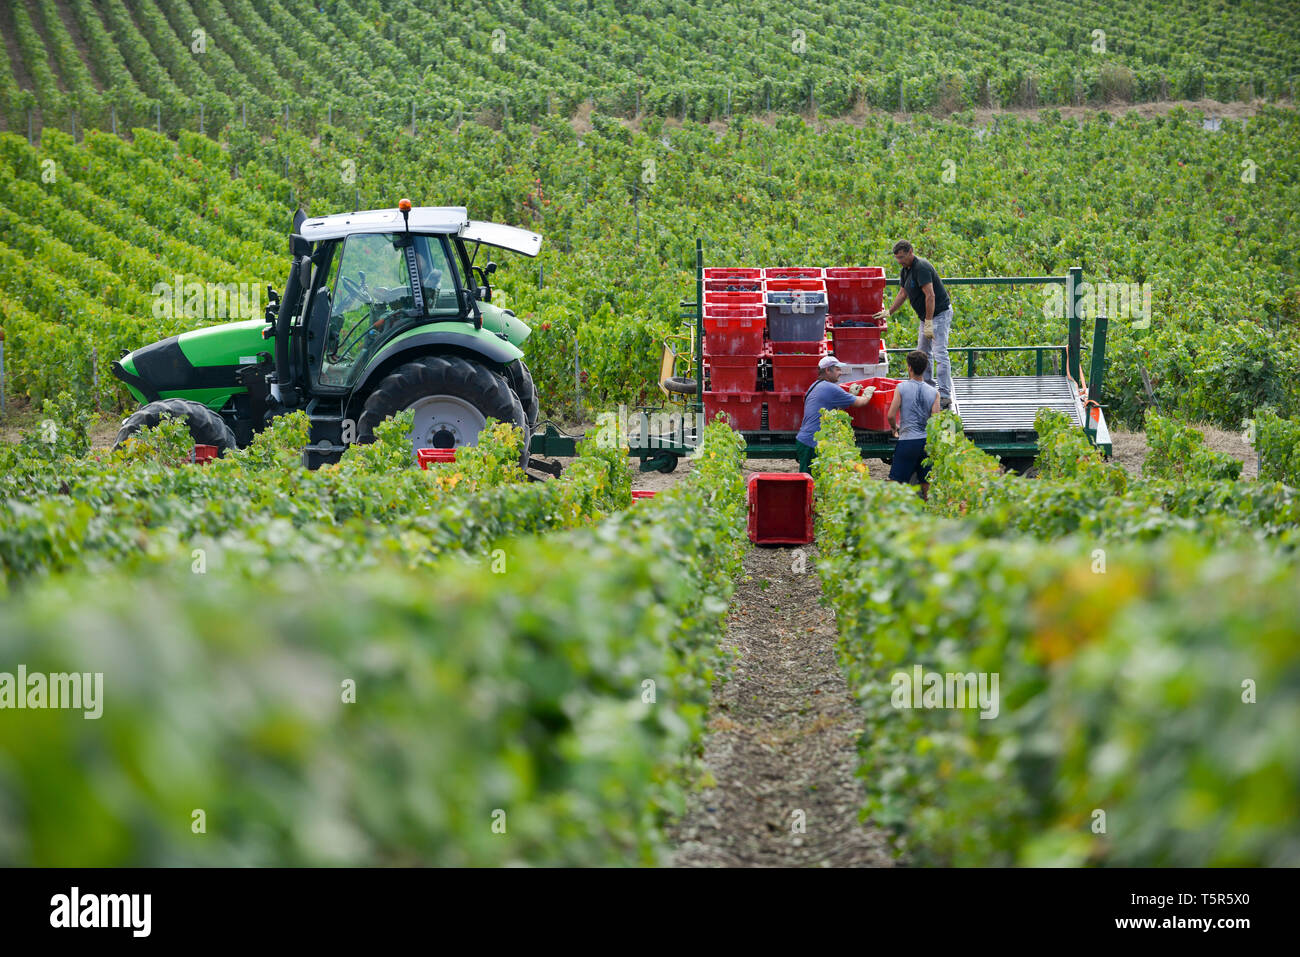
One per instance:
[(869, 391), (882, 315), (855, 389), (929, 328)]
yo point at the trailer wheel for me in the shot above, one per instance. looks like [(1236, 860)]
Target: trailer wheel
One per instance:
[(452, 398), (1020, 464), (206, 427)]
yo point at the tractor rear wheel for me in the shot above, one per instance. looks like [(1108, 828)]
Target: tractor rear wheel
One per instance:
[(521, 380), (452, 398), (206, 426)]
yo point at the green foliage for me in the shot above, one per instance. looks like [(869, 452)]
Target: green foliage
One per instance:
[(1121, 684), (390, 450), (373, 714), (1178, 451), (962, 477), (1278, 441), (1065, 454), (168, 444)]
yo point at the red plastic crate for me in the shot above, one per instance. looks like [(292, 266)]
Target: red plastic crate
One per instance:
[(732, 299), (430, 456), (781, 508), (733, 285), (784, 411), (858, 343), (855, 289), (733, 337), (753, 310), (810, 347), (638, 494), (874, 415), (795, 285), (733, 373), (793, 373), (203, 453), (732, 272), (792, 272), (744, 409)]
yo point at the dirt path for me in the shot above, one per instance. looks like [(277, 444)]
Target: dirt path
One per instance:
[(782, 740)]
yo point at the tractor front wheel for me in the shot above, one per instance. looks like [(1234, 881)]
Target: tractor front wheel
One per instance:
[(206, 426), (451, 397)]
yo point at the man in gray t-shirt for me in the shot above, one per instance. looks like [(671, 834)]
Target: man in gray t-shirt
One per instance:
[(909, 411)]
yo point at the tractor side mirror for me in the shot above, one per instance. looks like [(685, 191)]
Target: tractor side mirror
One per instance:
[(490, 268), (298, 246), (304, 271)]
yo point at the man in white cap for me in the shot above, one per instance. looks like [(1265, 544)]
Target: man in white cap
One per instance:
[(824, 394)]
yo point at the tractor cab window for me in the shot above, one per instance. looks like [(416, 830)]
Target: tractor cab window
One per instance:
[(370, 297)]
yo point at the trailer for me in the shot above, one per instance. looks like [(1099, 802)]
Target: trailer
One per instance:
[(997, 411)]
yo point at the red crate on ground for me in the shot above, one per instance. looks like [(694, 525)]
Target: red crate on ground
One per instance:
[(857, 344), (784, 411), (427, 457), (733, 285), (733, 373), (732, 299), (792, 272), (732, 272), (874, 415), (638, 494), (793, 373), (781, 508), (744, 409), (810, 347), (855, 289), (203, 453), (733, 337)]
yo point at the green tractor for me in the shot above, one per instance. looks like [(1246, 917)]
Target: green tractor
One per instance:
[(383, 311)]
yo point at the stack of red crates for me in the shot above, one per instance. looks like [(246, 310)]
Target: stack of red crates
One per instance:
[(734, 324), (738, 345)]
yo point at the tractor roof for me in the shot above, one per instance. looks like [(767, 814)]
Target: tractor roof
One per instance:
[(451, 220)]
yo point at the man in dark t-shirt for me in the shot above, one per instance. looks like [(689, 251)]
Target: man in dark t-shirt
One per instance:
[(920, 284)]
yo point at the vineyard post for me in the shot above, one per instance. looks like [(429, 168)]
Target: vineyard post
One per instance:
[(200, 119), (30, 140), (1072, 313), (577, 379), (541, 275), (243, 114), (113, 115), (413, 118), (329, 115), (74, 126), (286, 116), (94, 374), (158, 117), (2, 371)]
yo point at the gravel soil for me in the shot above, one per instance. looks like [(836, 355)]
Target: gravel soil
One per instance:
[(782, 740)]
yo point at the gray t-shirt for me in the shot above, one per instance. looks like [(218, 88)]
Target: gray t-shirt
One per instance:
[(915, 400)]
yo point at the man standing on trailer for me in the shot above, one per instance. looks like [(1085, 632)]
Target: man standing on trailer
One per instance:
[(824, 394), (909, 411), (919, 281)]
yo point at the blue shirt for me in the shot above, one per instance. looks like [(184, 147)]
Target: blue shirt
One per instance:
[(822, 395)]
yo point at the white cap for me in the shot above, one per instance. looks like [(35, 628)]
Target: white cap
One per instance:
[(829, 361)]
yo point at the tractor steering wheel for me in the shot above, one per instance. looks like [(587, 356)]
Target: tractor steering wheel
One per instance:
[(355, 291)]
